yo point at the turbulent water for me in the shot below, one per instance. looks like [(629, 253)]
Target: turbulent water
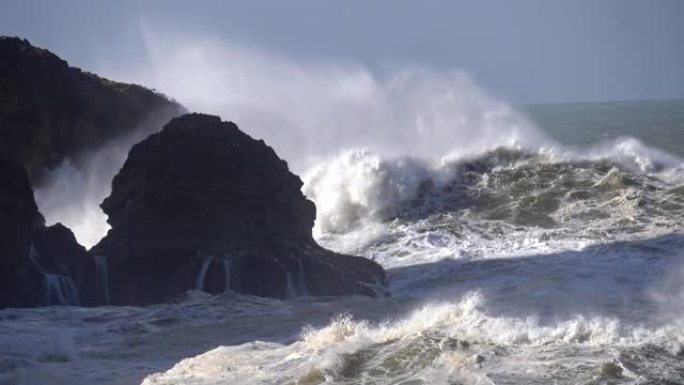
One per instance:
[(519, 255)]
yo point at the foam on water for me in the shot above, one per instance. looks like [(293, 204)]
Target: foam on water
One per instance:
[(436, 344), (550, 199), (531, 319)]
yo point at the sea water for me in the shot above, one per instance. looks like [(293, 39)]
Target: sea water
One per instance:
[(558, 262)]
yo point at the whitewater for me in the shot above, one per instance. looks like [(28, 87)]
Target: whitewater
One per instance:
[(515, 255)]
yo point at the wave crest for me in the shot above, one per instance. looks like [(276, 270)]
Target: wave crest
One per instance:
[(437, 343)]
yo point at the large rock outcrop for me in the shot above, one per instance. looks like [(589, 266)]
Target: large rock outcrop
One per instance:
[(38, 265), (50, 111), (203, 205)]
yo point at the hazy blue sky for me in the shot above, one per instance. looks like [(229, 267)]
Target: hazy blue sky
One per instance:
[(526, 51)]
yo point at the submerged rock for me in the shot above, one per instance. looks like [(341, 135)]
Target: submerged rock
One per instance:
[(201, 205), (50, 111), (38, 265)]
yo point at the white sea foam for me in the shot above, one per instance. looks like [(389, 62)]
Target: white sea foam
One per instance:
[(449, 337), (357, 189)]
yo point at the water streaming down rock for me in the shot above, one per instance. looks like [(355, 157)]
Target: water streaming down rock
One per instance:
[(103, 276), (202, 273), (58, 289), (227, 263), (296, 282), (290, 289), (61, 254)]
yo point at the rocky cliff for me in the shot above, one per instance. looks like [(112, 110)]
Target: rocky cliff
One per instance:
[(19, 280), (50, 111), (203, 205)]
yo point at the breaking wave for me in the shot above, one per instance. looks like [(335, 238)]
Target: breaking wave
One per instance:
[(443, 343), (549, 188)]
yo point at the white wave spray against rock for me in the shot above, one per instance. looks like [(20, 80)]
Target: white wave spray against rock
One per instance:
[(72, 192), (312, 108), (311, 111), (362, 141)]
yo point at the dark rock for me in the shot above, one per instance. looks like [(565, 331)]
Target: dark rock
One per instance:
[(203, 205), (50, 111), (61, 254), (38, 265), (20, 282)]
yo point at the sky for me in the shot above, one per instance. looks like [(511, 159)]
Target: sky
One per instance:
[(526, 51)]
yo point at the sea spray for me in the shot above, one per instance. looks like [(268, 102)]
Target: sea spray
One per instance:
[(384, 134), (72, 192), (309, 110)]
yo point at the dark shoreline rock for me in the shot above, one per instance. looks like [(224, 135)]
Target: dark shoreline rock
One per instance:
[(50, 111), (20, 281), (201, 205), (38, 265), (61, 254)]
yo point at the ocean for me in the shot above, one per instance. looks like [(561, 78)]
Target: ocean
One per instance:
[(556, 257)]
